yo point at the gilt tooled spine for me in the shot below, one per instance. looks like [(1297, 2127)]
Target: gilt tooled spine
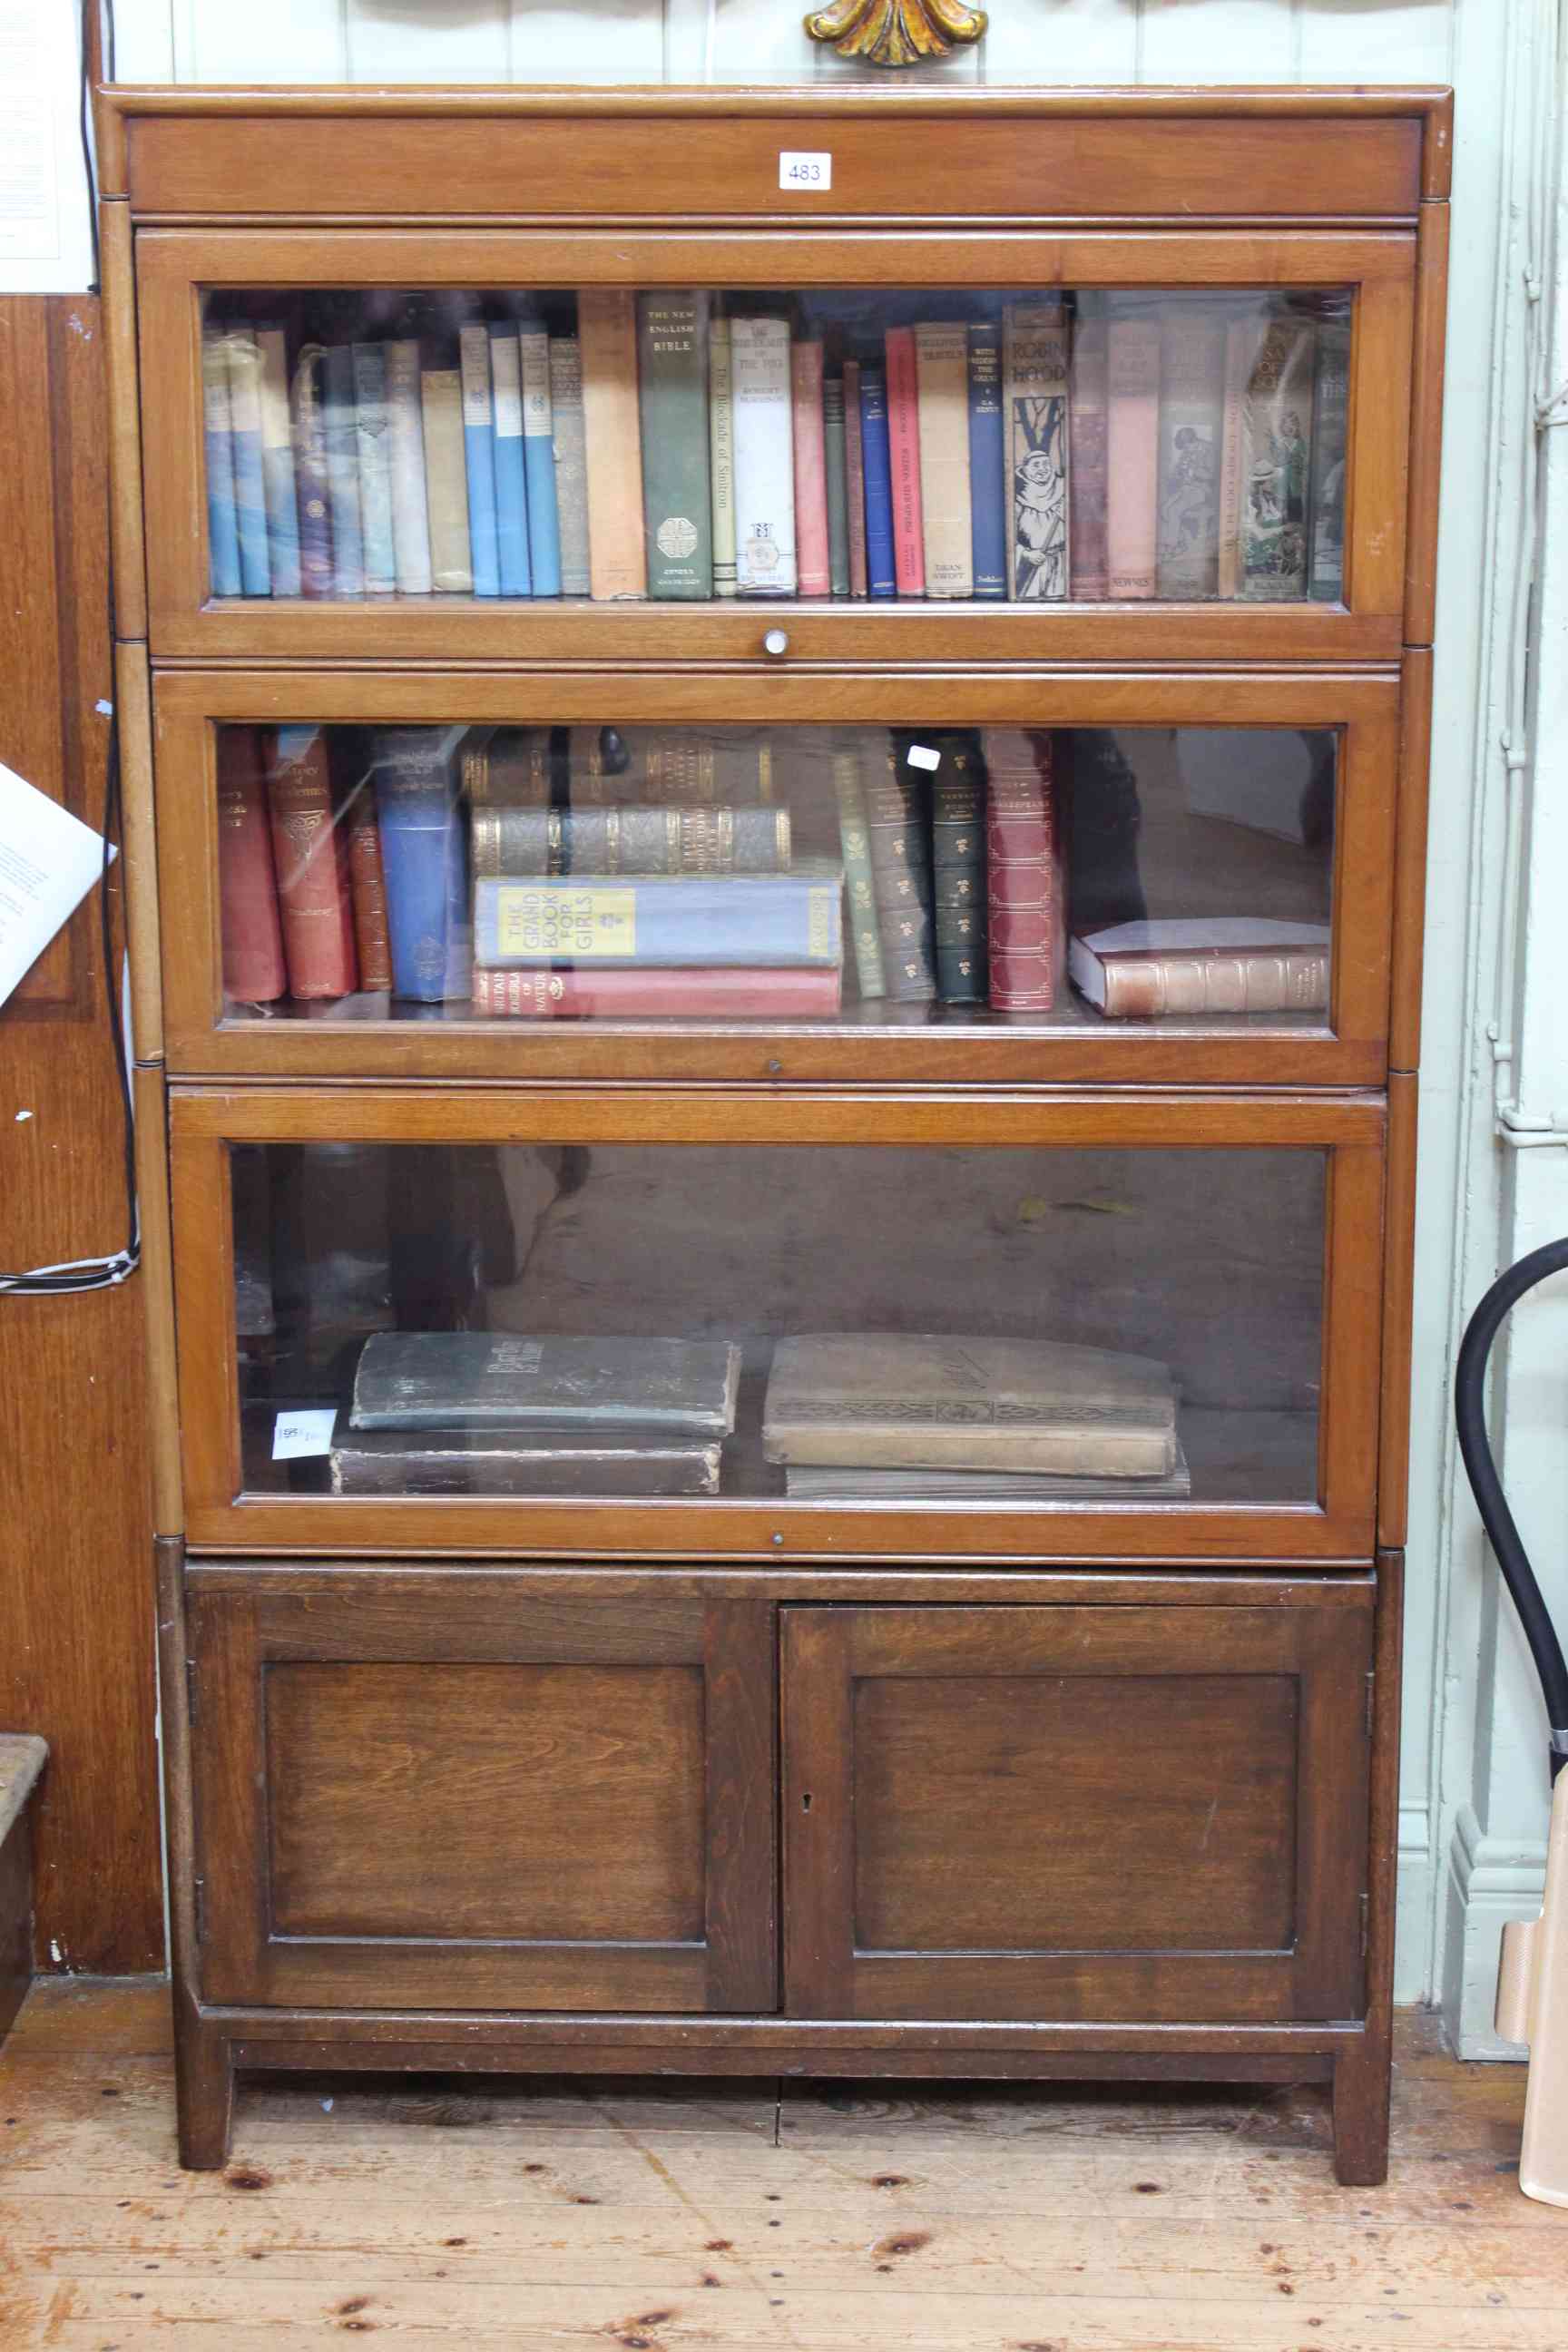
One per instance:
[(253, 966), (550, 841), (312, 867), (1025, 918), (958, 873), (898, 826), (367, 892)]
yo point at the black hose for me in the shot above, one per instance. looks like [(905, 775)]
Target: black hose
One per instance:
[(1469, 1416)]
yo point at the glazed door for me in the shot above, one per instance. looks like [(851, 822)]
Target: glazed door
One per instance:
[(1077, 1813), (420, 1789)]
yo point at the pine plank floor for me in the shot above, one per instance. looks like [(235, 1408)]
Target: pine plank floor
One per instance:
[(726, 2216)]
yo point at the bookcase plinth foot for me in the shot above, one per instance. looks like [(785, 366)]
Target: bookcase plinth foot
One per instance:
[(1361, 2096), (204, 2076)]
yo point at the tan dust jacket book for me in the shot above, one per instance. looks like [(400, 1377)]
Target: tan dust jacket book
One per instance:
[(919, 1401), (607, 332)]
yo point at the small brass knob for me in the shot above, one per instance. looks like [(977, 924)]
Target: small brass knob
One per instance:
[(775, 644)]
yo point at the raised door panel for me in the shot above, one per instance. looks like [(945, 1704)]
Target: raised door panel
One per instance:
[(422, 1790), (1075, 1814)]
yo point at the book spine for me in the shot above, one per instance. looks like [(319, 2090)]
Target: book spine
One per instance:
[(723, 993), (1131, 456), (1259, 979), (446, 481), (721, 454), (678, 498), (904, 458), (1192, 411), (341, 425), (509, 767), (685, 766), (959, 888), (1277, 436), (1089, 565), (1330, 416), (516, 841), (249, 489), (223, 524), (410, 516), (765, 458), (374, 443), (310, 475), (855, 478), (538, 461), (367, 894), (881, 578), (569, 435), (513, 566), (422, 861), (312, 869), (898, 818), (1035, 406), (253, 966), (987, 462), (860, 890), (811, 566), (1024, 916), (697, 919), (607, 332), (480, 458), (833, 453), (277, 464), (942, 371), (1239, 345)]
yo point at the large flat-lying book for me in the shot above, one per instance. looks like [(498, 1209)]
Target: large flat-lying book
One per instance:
[(1231, 963), (428, 1379), (926, 1400), (466, 1460), (811, 1483), (659, 918)]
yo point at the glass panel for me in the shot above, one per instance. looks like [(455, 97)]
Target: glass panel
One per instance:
[(876, 876), (1026, 446), (826, 1323)]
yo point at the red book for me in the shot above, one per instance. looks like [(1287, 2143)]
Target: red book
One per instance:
[(904, 453), (1027, 932), (712, 991), (253, 969), (855, 478), (810, 469), (312, 867), (367, 895)]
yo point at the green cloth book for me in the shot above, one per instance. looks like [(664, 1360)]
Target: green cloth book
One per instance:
[(678, 501)]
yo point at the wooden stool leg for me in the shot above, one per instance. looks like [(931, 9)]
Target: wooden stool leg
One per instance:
[(1361, 2114), (204, 2086)]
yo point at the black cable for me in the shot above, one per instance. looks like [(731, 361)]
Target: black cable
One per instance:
[(1469, 1416)]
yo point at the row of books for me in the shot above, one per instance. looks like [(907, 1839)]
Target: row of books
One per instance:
[(848, 1416), (675, 448)]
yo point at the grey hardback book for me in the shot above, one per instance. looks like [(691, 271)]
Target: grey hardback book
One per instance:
[(876, 1400), (465, 1460), (809, 1484), (424, 1380)]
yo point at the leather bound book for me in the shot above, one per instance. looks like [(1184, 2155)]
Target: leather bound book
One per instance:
[(942, 367), (1194, 967), (959, 870), (1035, 406), (677, 463), (1089, 565), (503, 1380), (607, 332), (367, 892), (309, 854), (569, 435), (673, 992), (898, 813), (253, 966), (1132, 445), (855, 478), (1192, 412), (1024, 917), (462, 1460), (904, 461), (642, 840), (810, 542)]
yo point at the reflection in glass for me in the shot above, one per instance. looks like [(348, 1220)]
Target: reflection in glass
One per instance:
[(1021, 447)]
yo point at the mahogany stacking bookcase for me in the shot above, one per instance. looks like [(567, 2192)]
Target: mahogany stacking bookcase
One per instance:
[(775, 761)]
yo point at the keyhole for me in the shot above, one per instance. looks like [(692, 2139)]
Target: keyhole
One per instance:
[(805, 1804)]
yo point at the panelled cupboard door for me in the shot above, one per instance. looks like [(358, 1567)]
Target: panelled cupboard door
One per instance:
[(1075, 1814), (415, 1789)]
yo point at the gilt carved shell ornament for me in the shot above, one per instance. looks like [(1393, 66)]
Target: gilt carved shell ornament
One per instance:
[(895, 32)]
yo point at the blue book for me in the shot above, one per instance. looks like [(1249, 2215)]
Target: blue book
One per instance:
[(277, 462), (373, 427), (223, 527), (340, 418), (880, 577), (479, 454), (250, 495), (596, 922), (424, 860), (511, 490), (539, 457), (988, 475)]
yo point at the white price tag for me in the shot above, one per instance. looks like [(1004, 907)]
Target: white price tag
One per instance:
[(921, 755), (297, 1435), (802, 171)]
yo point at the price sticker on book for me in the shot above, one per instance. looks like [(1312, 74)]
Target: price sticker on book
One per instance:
[(802, 171), (297, 1436), (921, 755)]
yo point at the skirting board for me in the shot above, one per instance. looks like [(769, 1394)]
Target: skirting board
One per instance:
[(1490, 1881)]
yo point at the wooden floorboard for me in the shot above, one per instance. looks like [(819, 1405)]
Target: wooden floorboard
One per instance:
[(838, 2218)]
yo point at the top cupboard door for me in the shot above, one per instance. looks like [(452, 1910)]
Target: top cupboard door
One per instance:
[(776, 444)]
